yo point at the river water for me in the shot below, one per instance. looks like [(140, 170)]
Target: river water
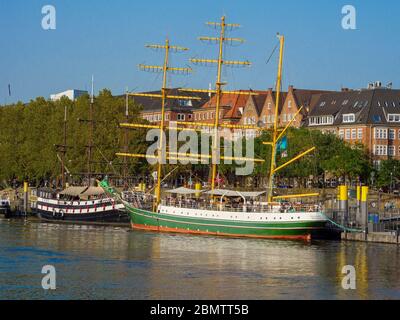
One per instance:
[(116, 263)]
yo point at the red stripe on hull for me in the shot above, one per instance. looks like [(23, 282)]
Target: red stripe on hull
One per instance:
[(192, 232)]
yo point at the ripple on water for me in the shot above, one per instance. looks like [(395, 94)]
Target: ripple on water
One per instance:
[(111, 263)]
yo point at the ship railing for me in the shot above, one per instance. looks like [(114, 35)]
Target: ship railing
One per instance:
[(240, 208)]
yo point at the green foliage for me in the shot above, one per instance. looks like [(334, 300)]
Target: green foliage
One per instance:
[(29, 135), (332, 155), (388, 173)]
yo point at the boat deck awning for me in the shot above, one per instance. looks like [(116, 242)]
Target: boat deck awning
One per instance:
[(92, 191), (73, 191), (184, 191), (233, 193)]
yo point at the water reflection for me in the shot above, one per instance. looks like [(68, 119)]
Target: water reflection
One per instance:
[(115, 263)]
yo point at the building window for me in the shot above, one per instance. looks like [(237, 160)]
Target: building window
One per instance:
[(284, 117), (269, 106), (381, 133), (380, 150), (323, 103), (360, 134), (377, 164), (341, 134), (354, 134), (348, 134), (290, 104), (349, 118), (325, 120), (181, 117), (345, 102), (167, 116), (392, 134), (394, 117), (392, 151)]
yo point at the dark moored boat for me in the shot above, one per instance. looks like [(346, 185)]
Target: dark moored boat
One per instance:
[(5, 207), (79, 204)]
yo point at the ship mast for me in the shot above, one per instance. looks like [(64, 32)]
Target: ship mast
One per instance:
[(90, 136), (164, 96), (126, 142), (278, 134), (220, 62), (63, 149), (276, 119)]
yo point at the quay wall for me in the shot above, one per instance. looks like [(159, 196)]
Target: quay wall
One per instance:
[(376, 237)]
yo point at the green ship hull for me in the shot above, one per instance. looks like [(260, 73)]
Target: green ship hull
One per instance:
[(159, 222)]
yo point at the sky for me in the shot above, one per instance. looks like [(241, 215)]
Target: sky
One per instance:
[(107, 38)]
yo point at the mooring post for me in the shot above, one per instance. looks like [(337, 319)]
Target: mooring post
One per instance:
[(358, 214), (344, 204), (26, 198), (364, 209)]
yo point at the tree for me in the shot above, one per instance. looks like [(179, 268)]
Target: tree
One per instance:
[(389, 173)]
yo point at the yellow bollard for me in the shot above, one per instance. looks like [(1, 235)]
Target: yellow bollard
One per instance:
[(26, 197), (364, 208), (344, 203), (198, 188)]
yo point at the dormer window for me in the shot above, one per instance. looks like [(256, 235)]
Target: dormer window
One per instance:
[(323, 103), (321, 120), (349, 118), (345, 102), (393, 117)]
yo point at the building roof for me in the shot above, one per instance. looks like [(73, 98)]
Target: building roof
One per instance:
[(370, 106), (235, 102), (282, 98), (259, 101), (178, 105), (305, 98)]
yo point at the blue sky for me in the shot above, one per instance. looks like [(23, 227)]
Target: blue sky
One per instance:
[(107, 38)]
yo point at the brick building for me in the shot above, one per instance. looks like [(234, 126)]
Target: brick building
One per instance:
[(294, 100), (175, 109), (369, 116)]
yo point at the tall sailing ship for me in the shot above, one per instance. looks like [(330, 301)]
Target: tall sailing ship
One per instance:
[(78, 203), (221, 212)]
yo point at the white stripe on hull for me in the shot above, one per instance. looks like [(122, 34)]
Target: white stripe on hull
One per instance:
[(273, 217)]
